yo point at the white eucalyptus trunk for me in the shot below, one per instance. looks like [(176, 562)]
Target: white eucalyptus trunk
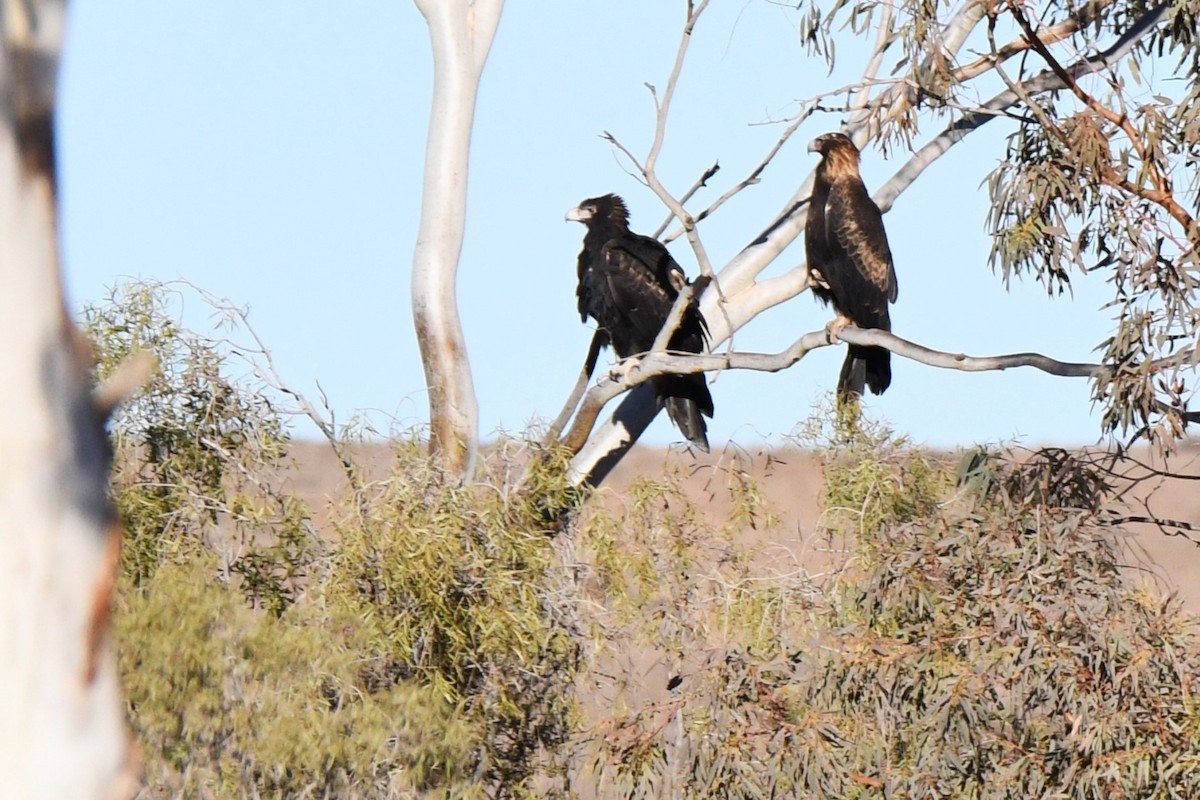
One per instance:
[(61, 716), (461, 33)]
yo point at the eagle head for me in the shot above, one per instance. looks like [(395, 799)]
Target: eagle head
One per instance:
[(828, 142), (840, 154), (609, 207)]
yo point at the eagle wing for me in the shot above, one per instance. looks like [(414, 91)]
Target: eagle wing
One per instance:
[(855, 224), (631, 273), (583, 289)]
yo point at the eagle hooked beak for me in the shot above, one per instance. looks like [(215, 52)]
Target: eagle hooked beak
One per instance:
[(815, 145), (580, 214)]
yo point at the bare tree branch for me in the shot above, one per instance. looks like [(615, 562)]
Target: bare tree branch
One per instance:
[(269, 373), (749, 180), (862, 95), (701, 182), (654, 364), (589, 366), (130, 375)]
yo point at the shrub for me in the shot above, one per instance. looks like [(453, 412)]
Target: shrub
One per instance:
[(197, 452), (462, 588), (227, 702), (982, 644), (426, 650)]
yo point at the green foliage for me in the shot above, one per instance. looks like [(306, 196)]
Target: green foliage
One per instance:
[(873, 478), (979, 644), (223, 699), (456, 580)]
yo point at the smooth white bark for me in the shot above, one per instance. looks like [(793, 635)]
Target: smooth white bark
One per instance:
[(461, 34)]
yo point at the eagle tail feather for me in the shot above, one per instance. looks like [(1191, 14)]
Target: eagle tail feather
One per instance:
[(688, 401), (865, 367), (852, 381)]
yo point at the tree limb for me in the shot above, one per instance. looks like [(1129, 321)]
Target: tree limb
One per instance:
[(700, 183), (599, 338), (654, 364), (862, 96), (1048, 35)]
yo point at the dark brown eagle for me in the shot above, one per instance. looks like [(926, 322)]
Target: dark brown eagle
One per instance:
[(849, 261), (628, 283)]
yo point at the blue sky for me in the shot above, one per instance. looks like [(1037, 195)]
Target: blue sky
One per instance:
[(272, 153)]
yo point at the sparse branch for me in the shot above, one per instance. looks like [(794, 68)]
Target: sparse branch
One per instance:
[(269, 373), (965, 363), (862, 95), (701, 182), (663, 108), (585, 375), (130, 375), (1169, 527), (675, 317), (749, 180), (958, 29)]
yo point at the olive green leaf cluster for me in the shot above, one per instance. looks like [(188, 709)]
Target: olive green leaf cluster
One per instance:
[(980, 645), (423, 647), (229, 702)]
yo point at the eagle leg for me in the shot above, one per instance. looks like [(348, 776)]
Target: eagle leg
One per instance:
[(835, 326)]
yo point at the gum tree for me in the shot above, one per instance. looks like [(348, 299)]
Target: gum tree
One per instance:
[(61, 716), (1098, 174)]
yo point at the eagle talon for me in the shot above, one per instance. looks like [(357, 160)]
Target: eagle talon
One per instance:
[(620, 372), (834, 328)]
